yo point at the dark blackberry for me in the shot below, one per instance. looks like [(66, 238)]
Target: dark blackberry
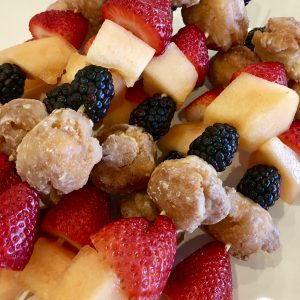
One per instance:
[(246, 2), (155, 115), (173, 155), (12, 81), (216, 145), (248, 41), (261, 183), (93, 86)]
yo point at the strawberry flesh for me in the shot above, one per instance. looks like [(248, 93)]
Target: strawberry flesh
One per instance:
[(140, 253), (137, 94), (88, 45), (292, 137)]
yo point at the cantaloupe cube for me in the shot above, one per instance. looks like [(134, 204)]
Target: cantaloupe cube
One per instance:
[(88, 278), (35, 88), (171, 73), (117, 48), (9, 285), (277, 154), (257, 108)]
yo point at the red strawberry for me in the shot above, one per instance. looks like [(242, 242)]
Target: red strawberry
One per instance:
[(137, 94), (141, 254), (205, 275), (292, 137), (192, 42), (151, 21), (272, 71), (19, 207), (78, 215), (194, 112), (88, 44), (8, 174), (70, 25)]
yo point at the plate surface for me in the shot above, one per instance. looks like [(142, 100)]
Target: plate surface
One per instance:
[(263, 277)]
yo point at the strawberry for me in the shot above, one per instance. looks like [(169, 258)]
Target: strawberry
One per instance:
[(292, 137), (205, 275), (78, 215), (70, 25), (8, 173), (137, 94), (88, 44), (192, 42), (272, 71), (19, 206), (194, 112), (141, 254), (151, 21)]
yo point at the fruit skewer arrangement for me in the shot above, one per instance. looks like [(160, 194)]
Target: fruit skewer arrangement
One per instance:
[(97, 183)]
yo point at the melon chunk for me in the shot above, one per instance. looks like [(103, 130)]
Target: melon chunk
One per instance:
[(277, 154), (9, 285), (35, 88), (88, 278), (257, 108), (117, 48), (171, 73), (45, 58)]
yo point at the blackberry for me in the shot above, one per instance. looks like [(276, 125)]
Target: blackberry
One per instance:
[(248, 41), (173, 155), (216, 145), (261, 183), (155, 115), (246, 2), (93, 87), (12, 81)]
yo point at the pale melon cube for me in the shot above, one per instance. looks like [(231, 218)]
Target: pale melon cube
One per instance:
[(45, 58), (277, 154), (257, 108), (171, 73), (9, 285), (117, 48), (88, 278), (49, 260)]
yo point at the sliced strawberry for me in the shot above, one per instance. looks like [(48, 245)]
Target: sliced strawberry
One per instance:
[(137, 94), (192, 42), (292, 137), (78, 215), (194, 112), (70, 25), (8, 174), (272, 71), (88, 44), (151, 21), (205, 275), (141, 254), (19, 206)]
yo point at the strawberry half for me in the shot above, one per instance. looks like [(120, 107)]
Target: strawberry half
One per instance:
[(88, 45), (194, 112), (192, 42), (292, 137), (205, 275), (137, 94), (271, 71), (78, 215), (8, 174), (70, 25), (18, 221), (151, 21), (140, 253)]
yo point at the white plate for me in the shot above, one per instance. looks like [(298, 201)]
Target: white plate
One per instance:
[(263, 277)]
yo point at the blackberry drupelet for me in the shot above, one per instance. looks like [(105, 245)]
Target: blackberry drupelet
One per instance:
[(216, 145), (12, 82), (93, 86), (173, 155), (261, 183), (155, 115), (248, 41)]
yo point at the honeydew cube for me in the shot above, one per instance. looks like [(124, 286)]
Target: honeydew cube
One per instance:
[(117, 48), (257, 108), (171, 73), (276, 153), (88, 278), (9, 285)]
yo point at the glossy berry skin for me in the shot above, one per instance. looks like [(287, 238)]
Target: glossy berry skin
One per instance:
[(140, 253), (192, 42), (292, 137), (18, 225), (261, 183), (205, 275), (150, 21), (248, 41)]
